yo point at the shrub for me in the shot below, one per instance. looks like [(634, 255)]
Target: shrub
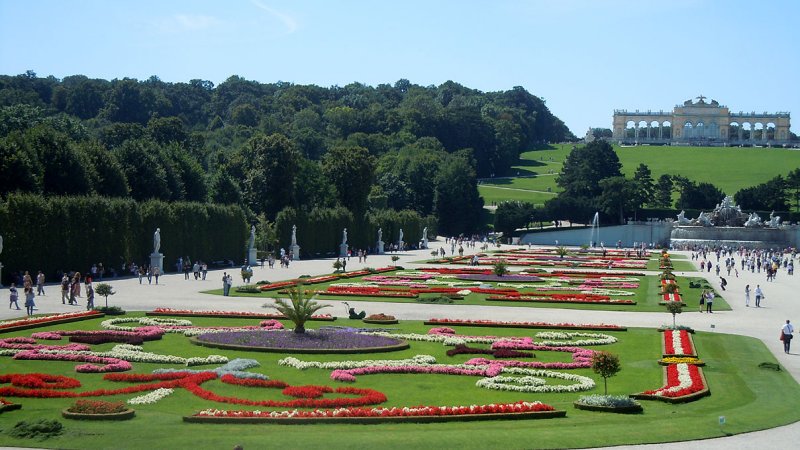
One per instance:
[(41, 429), (606, 365), (110, 310), (442, 299), (500, 268), (249, 289), (299, 308), (105, 290)]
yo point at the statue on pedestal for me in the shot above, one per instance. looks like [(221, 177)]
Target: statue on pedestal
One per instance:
[(380, 234), (401, 237), (157, 241), (252, 242), (344, 236), (294, 235)]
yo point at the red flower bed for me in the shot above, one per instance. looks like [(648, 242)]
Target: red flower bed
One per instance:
[(561, 298), (253, 382), (31, 322), (673, 389), (306, 391), (686, 343), (278, 285), (498, 323)]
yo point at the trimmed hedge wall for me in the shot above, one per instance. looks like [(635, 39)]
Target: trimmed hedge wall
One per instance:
[(72, 233), (319, 231)]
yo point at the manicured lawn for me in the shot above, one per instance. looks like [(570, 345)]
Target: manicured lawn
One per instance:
[(728, 168), (751, 399)]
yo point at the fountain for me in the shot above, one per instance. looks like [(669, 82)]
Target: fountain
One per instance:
[(728, 225), (593, 240)]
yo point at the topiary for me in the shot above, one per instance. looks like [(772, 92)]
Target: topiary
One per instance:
[(41, 429)]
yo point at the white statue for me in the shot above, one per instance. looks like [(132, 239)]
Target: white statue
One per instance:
[(753, 221), (157, 241), (344, 236), (401, 236), (380, 234), (704, 219), (294, 235), (425, 234), (252, 242), (682, 220), (774, 221)]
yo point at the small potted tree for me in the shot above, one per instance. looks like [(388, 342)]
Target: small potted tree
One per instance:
[(105, 290), (500, 268), (674, 308), (607, 365)]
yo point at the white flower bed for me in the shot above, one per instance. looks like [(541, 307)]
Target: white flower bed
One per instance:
[(303, 365), (152, 397), (531, 382)]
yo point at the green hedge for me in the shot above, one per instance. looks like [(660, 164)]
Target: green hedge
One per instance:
[(72, 233), (319, 231)]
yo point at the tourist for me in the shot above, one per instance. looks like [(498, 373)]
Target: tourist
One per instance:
[(196, 270), (13, 296), (89, 295), (204, 268), (149, 275), (786, 336), (702, 300), (723, 282), (225, 286), (40, 283), (141, 274), (747, 295), (709, 301), (64, 289), (156, 273), (759, 295), (29, 303)]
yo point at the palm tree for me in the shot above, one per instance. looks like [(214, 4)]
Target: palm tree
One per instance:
[(301, 308)]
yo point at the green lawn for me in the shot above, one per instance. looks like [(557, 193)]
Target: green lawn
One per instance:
[(729, 168), (751, 399)]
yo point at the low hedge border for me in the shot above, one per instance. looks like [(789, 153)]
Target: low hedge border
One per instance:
[(9, 407), (50, 322), (555, 327), (636, 409), (317, 351), (382, 322), (377, 420), (235, 316), (124, 415)]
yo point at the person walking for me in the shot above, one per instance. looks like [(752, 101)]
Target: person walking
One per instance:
[(786, 336), (759, 295), (702, 300), (13, 296), (40, 283), (89, 297), (156, 273), (29, 303), (747, 295), (225, 286), (64, 289)]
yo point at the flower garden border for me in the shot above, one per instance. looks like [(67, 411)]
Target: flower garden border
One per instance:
[(123, 415), (44, 323), (531, 325), (522, 299), (379, 420), (664, 353), (636, 409), (403, 345), (236, 316), (683, 399)]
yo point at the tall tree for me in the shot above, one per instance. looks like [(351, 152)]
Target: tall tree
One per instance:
[(645, 188), (584, 168), (351, 170), (270, 172), (457, 202), (769, 196), (620, 195), (663, 192)]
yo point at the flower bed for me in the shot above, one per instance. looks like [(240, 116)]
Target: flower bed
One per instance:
[(308, 342), (608, 403), (228, 314), (531, 325), (6, 405), (382, 319), (560, 298), (684, 383), (98, 410), (510, 278), (33, 322), (678, 343), (417, 414)]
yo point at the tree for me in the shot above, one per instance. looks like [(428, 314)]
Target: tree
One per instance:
[(769, 196), (271, 165), (606, 365), (299, 308), (663, 192), (146, 175), (351, 171), (643, 181), (500, 268), (619, 195), (699, 196), (105, 290), (224, 189), (511, 215), (674, 308), (793, 186), (584, 168), (457, 203)]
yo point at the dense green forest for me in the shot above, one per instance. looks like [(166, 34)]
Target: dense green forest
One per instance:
[(268, 146)]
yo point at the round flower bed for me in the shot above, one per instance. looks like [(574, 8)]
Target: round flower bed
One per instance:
[(98, 410), (381, 318), (309, 342)]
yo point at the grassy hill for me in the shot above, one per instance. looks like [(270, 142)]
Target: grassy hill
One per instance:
[(729, 168)]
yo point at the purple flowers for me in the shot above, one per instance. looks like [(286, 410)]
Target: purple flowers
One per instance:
[(311, 339)]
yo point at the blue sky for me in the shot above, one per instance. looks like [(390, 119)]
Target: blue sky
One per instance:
[(584, 57)]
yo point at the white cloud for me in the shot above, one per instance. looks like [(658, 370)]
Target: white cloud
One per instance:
[(196, 22), (287, 20)]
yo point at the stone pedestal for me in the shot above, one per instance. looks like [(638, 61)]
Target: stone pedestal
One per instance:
[(424, 242), (252, 257), (401, 245), (380, 247), (295, 252), (157, 260), (343, 251)]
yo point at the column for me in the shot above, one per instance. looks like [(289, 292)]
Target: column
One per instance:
[(739, 132)]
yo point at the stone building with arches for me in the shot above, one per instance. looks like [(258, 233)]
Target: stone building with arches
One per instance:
[(701, 123)]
